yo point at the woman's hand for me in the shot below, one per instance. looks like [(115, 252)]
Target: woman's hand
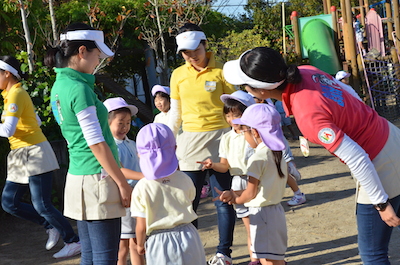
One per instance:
[(389, 216), (125, 191), (140, 250), (207, 164)]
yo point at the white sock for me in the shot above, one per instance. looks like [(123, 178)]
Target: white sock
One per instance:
[(298, 192)]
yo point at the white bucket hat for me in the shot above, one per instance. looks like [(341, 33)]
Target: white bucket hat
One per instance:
[(94, 35)]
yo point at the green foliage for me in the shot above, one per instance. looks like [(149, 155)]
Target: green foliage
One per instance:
[(38, 86), (235, 43)]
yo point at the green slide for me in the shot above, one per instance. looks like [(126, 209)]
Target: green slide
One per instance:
[(317, 40)]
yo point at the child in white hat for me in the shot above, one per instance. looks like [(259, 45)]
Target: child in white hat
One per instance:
[(162, 202), (162, 101)]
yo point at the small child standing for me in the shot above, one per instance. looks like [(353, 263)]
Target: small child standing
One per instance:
[(162, 101), (267, 172), (119, 119), (162, 202)]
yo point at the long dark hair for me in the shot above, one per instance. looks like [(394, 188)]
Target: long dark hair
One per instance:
[(278, 158), (14, 63), (267, 65), (59, 56)]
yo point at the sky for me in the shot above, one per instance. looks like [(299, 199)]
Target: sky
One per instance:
[(229, 7)]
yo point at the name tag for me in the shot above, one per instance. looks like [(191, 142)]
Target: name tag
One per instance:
[(210, 86)]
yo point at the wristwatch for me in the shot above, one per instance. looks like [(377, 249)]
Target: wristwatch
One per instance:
[(381, 206)]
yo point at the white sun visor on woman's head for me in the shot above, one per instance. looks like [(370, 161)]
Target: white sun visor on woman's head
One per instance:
[(93, 35), (234, 74), (6, 67), (189, 40)]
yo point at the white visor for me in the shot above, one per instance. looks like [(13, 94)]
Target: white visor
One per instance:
[(233, 74), (94, 35), (5, 66), (189, 40)]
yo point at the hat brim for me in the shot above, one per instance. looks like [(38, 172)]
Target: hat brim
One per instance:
[(105, 51), (134, 110), (188, 45), (232, 72)]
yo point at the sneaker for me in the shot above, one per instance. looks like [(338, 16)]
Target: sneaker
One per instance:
[(205, 191), (297, 200), (293, 171), (69, 250), (54, 236), (220, 259)]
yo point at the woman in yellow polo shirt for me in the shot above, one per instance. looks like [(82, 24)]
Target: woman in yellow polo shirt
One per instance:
[(196, 88), (30, 162)]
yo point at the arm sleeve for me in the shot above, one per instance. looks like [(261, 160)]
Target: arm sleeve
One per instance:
[(175, 119), (90, 126), (7, 129), (362, 169), (39, 121)]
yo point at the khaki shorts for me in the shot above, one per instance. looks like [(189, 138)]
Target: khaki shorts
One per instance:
[(28, 161), (268, 232), (198, 146), (88, 197), (387, 165)]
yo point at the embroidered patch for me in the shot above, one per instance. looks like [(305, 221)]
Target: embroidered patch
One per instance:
[(210, 86), (12, 107), (326, 135)]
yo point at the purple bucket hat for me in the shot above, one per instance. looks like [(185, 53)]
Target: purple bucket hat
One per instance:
[(157, 88), (117, 103), (241, 96), (156, 144), (267, 120)]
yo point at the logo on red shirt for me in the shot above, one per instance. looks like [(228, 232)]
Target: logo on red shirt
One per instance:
[(326, 135)]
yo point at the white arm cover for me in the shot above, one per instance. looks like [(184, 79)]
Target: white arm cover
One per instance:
[(7, 129), (362, 168), (350, 90), (90, 126), (175, 119), (39, 121)]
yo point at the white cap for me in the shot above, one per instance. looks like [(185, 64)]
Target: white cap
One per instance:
[(189, 40), (159, 88), (341, 74), (94, 35), (234, 74)]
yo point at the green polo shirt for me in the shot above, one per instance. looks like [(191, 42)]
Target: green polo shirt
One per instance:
[(73, 92)]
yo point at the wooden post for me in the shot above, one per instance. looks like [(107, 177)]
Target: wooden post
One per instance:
[(295, 27), (329, 5), (326, 9), (335, 29), (351, 48), (389, 20), (344, 30), (396, 18)]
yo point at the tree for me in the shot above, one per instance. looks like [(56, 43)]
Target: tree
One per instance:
[(166, 17)]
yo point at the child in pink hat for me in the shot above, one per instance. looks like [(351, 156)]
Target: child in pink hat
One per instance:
[(119, 119), (267, 175), (162, 202)]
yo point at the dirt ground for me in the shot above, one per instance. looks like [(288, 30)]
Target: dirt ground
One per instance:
[(321, 231)]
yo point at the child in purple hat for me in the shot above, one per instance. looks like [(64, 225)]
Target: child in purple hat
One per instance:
[(119, 119), (267, 175), (162, 202)]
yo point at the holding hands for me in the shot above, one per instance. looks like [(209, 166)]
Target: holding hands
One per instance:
[(227, 196)]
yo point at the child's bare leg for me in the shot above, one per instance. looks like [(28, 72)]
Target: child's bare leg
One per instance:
[(123, 252), (246, 222), (136, 259), (272, 262)]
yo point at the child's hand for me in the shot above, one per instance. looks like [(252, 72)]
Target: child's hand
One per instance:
[(207, 164), (227, 196), (140, 250)]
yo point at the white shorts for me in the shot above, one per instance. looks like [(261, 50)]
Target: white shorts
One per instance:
[(240, 183), (128, 225), (268, 232), (180, 245)]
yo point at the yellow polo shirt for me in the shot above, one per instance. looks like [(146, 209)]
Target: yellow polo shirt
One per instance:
[(18, 103), (199, 93)]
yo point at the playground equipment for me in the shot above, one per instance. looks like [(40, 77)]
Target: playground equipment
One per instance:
[(328, 42)]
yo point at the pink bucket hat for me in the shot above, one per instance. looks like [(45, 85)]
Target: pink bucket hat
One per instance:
[(117, 103), (156, 144), (157, 88), (267, 120)]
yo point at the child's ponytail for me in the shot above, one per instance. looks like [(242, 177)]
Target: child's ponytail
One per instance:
[(278, 159)]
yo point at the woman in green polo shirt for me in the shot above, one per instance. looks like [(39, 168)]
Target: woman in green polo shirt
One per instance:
[(96, 191)]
